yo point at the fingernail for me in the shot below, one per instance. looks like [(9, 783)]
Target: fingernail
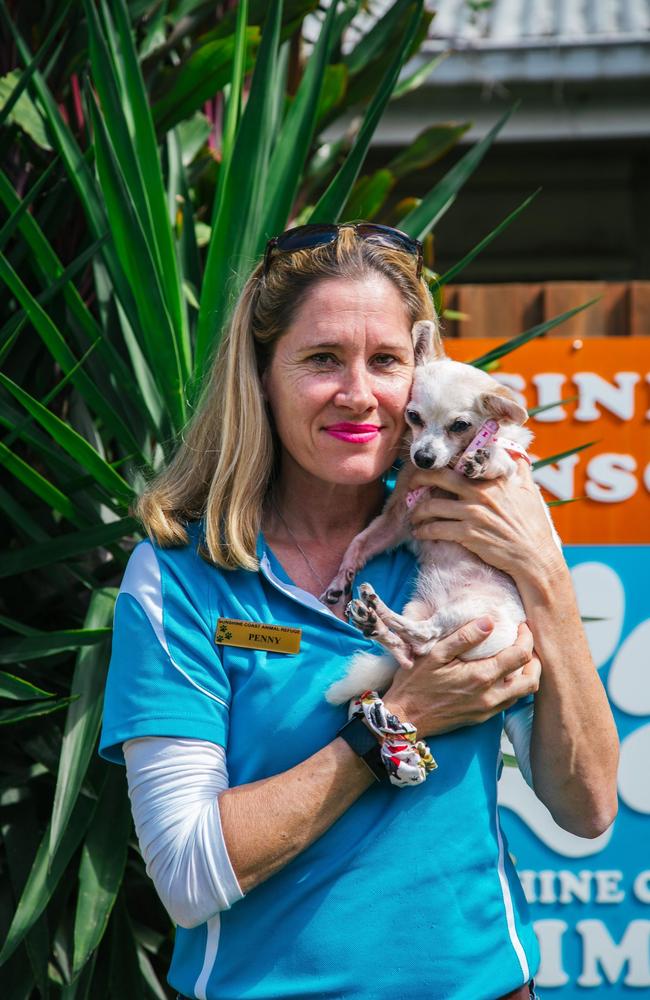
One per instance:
[(485, 625)]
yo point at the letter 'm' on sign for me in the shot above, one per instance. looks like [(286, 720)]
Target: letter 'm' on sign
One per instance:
[(618, 399), (600, 952)]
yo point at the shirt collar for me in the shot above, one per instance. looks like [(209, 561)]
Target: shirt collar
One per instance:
[(274, 573)]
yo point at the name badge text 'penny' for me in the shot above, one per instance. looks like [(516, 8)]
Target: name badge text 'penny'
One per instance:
[(257, 635)]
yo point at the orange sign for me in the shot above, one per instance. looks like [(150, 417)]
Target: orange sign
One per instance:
[(608, 381)]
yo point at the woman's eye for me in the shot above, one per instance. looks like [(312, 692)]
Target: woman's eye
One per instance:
[(459, 425), (414, 418), (322, 358), (384, 359)]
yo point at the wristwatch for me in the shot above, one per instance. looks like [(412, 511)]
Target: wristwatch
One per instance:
[(364, 743)]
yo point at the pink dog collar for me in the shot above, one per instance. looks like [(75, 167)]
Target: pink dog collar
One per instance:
[(488, 434), (485, 435), (514, 449)]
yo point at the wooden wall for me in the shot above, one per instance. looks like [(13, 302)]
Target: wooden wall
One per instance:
[(622, 309)]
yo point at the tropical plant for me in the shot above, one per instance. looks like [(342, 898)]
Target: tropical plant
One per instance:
[(151, 149)]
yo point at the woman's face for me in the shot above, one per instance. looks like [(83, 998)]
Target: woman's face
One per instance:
[(340, 378)]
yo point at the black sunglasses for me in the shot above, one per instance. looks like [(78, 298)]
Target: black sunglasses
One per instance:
[(320, 234)]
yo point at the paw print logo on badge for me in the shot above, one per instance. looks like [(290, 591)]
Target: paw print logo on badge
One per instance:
[(601, 598), (223, 632)]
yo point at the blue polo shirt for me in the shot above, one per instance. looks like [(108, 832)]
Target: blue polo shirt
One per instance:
[(411, 892)]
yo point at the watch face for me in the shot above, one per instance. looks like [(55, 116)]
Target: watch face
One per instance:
[(365, 744), (358, 736)]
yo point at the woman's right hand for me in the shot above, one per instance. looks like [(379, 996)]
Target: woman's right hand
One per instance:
[(442, 692)]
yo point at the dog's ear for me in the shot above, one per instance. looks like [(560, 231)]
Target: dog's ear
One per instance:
[(426, 342), (502, 405)]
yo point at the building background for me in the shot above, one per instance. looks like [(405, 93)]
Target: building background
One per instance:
[(581, 70)]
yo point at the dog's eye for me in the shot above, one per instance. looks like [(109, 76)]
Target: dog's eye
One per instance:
[(459, 425), (414, 418)]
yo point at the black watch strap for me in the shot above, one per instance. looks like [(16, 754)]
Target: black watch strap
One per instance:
[(364, 743)]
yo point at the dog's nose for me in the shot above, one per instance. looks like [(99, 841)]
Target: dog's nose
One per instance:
[(423, 459)]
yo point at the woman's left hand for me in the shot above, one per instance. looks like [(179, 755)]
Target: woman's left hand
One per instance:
[(502, 520)]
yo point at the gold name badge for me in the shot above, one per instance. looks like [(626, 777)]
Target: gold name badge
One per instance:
[(257, 635)]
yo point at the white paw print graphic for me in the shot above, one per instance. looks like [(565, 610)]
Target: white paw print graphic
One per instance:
[(600, 596)]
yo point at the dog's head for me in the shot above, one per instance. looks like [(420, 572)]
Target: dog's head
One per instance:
[(449, 402)]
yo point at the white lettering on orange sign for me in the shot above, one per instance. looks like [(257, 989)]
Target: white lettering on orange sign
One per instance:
[(593, 391), (550, 388), (596, 400), (610, 479)]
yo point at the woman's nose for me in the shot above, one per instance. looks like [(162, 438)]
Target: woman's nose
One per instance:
[(356, 390)]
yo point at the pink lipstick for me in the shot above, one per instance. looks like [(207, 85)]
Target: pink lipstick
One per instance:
[(355, 433)]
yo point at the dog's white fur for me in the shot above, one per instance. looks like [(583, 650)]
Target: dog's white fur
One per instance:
[(453, 585)]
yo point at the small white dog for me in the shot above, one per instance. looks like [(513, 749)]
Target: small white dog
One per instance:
[(459, 417)]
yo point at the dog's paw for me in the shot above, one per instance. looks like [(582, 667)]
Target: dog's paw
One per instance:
[(339, 589), (363, 617), (475, 464), (368, 596), (332, 596)]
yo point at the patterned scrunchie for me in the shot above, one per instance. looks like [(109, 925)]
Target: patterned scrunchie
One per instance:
[(407, 760)]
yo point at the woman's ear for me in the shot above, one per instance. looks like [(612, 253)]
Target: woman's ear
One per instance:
[(426, 342), (501, 405)]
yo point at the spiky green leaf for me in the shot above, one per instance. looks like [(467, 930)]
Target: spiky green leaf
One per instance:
[(427, 148), (297, 132), (147, 157), (10, 716), (18, 689), (84, 715), (375, 43), (482, 244), (48, 643), (239, 207), (203, 74), (155, 326), (74, 444), (423, 218), (418, 76), (37, 484), (368, 195), (42, 880), (25, 113), (330, 205), (540, 463), (103, 858)]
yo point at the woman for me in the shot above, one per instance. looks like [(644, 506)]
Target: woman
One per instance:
[(308, 876)]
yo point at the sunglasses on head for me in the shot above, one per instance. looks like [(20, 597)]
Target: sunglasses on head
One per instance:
[(320, 234)]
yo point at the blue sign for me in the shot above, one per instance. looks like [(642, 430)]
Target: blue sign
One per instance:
[(590, 899)]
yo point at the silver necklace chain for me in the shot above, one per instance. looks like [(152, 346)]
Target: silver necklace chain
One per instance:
[(298, 546)]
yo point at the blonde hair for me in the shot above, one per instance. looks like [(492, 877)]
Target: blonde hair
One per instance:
[(227, 456)]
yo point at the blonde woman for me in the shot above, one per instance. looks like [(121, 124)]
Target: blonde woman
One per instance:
[(292, 866)]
